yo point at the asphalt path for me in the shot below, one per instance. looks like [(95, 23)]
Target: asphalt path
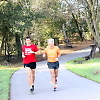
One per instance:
[(70, 85)]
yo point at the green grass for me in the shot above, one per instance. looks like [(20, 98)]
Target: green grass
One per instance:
[(5, 75), (87, 68)]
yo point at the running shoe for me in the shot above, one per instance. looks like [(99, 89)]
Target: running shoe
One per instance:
[(33, 87), (55, 89), (31, 90)]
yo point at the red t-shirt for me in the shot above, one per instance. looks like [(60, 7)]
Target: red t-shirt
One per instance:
[(30, 57)]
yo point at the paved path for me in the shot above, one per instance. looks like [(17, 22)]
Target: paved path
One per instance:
[(71, 86)]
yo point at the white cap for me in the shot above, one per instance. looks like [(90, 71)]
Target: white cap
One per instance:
[(50, 40)]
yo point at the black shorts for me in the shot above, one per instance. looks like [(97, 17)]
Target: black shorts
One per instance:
[(53, 65), (32, 65)]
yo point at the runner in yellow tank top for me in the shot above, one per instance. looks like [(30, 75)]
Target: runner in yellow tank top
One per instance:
[(53, 54)]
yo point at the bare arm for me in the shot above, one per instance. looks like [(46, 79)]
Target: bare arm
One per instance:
[(23, 56), (44, 55), (59, 54), (57, 58), (37, 53)]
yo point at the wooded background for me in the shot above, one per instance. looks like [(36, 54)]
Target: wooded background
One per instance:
[(75, 20)]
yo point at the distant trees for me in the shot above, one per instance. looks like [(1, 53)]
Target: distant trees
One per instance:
[(14, 20), (43, 19), (91, 13), (84, 19)]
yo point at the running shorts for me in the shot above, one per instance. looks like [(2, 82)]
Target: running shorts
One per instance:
[(53, 65), (32, 65)]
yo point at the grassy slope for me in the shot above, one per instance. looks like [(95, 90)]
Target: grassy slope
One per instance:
[(5, 75), (89, 69)]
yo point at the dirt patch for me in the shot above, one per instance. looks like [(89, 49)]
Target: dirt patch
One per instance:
[(76, 46)]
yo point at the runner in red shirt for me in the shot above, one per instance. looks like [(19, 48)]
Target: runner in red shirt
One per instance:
[(29, 60)]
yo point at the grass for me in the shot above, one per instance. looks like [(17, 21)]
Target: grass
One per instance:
[(5, 75), (86, 68)]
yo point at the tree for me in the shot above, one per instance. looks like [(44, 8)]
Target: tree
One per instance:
[(91, 12), (48, 20), (74, 20), (14, 20)]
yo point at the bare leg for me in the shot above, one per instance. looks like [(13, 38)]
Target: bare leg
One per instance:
[(31, 75), (53, 76), (56, 72), (56, 75)]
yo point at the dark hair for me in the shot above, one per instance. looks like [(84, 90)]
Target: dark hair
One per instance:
[(28, 37)]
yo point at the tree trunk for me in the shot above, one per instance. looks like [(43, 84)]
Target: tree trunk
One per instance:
[(2, 45), (5, 47), (91, 18), (8, 52), (66, 40), (18, 44), (78, 27), (93, 49)]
